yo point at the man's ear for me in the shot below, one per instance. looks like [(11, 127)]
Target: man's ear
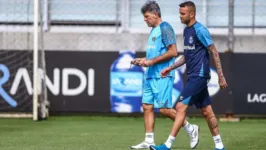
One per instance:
[(192, 14)]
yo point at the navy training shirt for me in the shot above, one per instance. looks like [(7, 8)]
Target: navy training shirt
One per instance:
[(197, 39)]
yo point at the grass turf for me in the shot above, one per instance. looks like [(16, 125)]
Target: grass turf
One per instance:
[(118, 133)]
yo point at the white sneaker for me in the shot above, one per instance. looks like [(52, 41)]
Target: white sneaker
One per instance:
[(194, 137), (143, 145)]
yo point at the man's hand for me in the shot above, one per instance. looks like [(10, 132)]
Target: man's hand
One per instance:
[(165, 72), (222, 82), (138, 61), (147, 63)]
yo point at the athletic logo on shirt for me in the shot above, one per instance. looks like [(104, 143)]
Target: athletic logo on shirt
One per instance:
[(190, 39), (153, 38), (181, 98)]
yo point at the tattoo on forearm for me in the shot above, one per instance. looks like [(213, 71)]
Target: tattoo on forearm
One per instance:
[(212, 122), (178, 63), (217, 60)]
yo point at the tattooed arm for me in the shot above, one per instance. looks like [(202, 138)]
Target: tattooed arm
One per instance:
[(179, 63), (217, 61)]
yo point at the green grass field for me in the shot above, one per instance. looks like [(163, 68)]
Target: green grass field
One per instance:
[(112, 133)]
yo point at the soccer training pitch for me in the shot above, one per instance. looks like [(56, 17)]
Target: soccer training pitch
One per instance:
[(119, 133)]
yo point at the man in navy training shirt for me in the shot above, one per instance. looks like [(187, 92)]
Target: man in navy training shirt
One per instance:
[(197, 45)]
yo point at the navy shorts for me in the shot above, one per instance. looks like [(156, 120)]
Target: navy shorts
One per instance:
[(196, 92)]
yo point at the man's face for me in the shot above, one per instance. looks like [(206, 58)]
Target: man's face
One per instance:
[(150, 18), (185, 15)]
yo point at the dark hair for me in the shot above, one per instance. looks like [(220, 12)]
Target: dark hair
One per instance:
[(188, 4), (151, 6)]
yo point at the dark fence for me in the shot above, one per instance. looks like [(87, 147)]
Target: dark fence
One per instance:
[(79, 82)]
